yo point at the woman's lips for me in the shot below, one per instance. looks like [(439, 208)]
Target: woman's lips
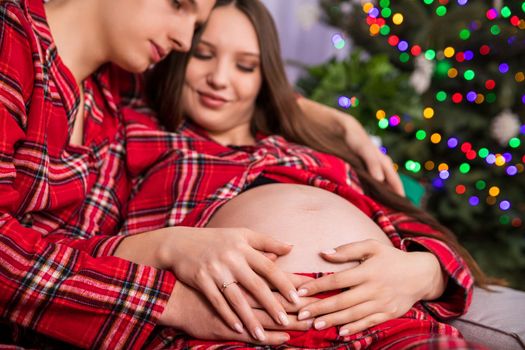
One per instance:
[(211, 101)]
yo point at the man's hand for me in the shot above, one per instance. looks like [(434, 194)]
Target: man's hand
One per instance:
[(189, 311), (207, 258)]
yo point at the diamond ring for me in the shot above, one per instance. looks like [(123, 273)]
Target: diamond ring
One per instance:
[(226, 285)]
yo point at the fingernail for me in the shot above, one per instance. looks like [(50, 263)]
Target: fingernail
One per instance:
[(285, 338), (259, 334), (344, 332), (295, 297), (320, 325), (329, 251), (302, 292), (284, 319), (303, 315), (238, 328)]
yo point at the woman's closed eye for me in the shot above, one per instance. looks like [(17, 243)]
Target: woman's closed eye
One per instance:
[(243, 67), (247, 65), (246, 68), (201, 55)]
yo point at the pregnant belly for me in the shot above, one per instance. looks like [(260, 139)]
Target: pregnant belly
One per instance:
[(310, 218)]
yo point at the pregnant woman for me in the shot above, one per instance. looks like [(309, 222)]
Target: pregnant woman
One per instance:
[(239, 159)]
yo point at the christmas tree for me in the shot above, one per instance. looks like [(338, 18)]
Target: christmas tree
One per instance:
[(442, 82)]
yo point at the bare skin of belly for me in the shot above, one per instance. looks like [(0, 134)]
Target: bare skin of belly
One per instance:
[(310, 218)]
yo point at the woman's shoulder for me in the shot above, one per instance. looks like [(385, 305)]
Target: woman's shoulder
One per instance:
[(141, 118)]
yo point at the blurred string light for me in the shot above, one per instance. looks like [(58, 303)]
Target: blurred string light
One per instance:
[(491, 194), (490, 157), (377, 20), (338, 41), (381, 20), (450, 52), (348, 102)]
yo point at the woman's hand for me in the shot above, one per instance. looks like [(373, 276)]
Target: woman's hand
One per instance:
[(189, 311), (384, 286), (291, 308), (217, 262), (379, 165)]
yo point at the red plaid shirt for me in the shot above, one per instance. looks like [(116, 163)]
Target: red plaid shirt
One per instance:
[(59, 203), (182, 179)]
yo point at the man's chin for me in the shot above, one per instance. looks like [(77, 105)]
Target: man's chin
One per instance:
[(137, 66)]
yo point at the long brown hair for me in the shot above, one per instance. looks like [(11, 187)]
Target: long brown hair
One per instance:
[(277, 112)]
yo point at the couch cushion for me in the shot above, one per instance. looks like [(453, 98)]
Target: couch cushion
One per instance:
[(495, 319)]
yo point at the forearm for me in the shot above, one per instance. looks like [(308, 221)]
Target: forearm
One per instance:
[(144, 249), (437, 278), (324, 115), (341, 125), (159, 248), (453, 298)]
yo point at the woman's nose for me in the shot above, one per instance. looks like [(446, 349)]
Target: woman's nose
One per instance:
[(218, 76)]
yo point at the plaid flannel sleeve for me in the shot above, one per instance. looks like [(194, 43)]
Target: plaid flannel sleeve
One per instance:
[(457, 296)]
